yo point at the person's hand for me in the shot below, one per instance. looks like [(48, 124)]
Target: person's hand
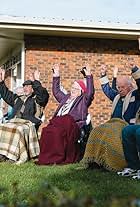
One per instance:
[(87, 70), (36, 75), (2, 74), (132, 65), (31, 76), (103, 69), (55, 69), (115, 71)]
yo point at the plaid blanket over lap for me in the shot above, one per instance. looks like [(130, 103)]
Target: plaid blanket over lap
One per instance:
[(19, 140), (104, 146)]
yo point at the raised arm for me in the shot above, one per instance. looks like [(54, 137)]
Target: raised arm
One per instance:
[(42, 95), (108, 91), (7, 95), (90, 85), (56, 89), (136, 75)]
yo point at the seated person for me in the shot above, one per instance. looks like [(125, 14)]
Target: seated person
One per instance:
[(19, 132), (59, 139), (104, 145), (131, 147)]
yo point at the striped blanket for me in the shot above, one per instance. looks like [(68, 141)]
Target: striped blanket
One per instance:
[(104, 146), (18, 140)]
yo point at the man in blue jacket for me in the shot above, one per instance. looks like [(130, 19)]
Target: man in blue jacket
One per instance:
[(125, 100), (104, 146)]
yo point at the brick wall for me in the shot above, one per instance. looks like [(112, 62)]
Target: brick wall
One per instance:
[(71, 54)]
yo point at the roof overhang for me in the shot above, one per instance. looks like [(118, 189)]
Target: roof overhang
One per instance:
[(12, 31)]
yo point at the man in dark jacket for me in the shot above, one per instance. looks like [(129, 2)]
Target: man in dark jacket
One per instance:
[(29, 105), (18, 138)]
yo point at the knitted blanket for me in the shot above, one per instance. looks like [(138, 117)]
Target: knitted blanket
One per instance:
[(104, 146)]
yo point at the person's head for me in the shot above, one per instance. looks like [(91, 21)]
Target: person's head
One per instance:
[(124, 85), (19, 91), (27, 87), (77, 88)]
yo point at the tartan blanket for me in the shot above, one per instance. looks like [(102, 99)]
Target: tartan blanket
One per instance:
[(104, 146), (19, 140)]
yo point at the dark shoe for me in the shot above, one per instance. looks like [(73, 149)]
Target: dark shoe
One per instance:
[(34, 159), (10, 161), (3, 158)]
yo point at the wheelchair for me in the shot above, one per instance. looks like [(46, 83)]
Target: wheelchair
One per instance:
[(84, 134)]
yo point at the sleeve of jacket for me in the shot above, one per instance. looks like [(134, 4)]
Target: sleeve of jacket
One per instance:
[(136, 76), (114, 86), (42, 95), (90, 89), (7, 95), (58, 94), (108, 91)]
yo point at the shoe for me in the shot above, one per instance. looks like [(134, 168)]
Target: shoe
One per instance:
[(127, 172), (34, 159), (10, 161), (2, 158), (137, 176)]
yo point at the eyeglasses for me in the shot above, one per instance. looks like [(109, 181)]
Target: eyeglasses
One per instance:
[(75, 88)]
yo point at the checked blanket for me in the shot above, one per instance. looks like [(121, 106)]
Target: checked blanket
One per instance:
[(19, 140)]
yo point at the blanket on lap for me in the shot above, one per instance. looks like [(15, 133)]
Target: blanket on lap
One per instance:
[(19, 140), (104, 146)]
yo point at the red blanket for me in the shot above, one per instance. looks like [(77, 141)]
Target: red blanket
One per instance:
[(58, 142)]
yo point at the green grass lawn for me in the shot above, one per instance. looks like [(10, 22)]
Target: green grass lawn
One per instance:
[(102, 186)]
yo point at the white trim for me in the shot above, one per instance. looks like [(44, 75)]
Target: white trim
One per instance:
[(70, 30), (22, 61), (104, 80), (139, 42), (136, 75)]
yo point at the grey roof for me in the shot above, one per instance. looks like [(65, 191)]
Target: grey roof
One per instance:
[(66, 22)]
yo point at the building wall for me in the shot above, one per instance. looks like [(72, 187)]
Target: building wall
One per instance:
[(72, 54)]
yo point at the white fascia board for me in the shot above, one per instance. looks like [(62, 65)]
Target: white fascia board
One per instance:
[(72, 29)]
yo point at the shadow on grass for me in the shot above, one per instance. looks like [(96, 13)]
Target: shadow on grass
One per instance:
[(100, 185), (30, 180)]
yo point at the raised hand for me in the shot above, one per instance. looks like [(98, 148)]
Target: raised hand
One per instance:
[(132, 65), (36, 75), (55, 69), (115, 71), (31, 76), (87, 70), (103, 69), (2, 74)]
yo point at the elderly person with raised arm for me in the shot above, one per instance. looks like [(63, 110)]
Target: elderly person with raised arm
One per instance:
[(104, 147), (58, 142), (18, 137)]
